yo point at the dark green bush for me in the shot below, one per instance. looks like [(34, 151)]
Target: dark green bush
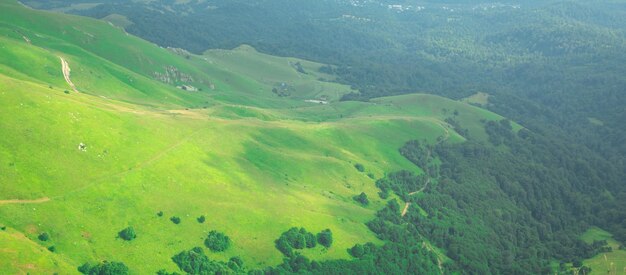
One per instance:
[(127, 234)]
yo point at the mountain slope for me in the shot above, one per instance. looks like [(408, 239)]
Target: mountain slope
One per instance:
[(129, 144)]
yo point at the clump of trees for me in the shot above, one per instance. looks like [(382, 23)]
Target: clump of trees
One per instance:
[(295, 238), (104, 268), (194, 261), (175, 220), (217, 241), (362, 199), (127, 234), (300, 238)]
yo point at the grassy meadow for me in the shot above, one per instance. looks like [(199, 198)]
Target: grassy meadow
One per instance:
[(613, 262)]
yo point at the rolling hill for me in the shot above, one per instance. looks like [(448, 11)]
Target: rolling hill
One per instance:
[(256, 143)]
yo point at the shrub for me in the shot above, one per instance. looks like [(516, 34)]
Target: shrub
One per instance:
[(66, 92), (175, 220), (359, 167), (43, 237), (217, 241), (52, 249), (127, 234), (160, 214), (325, 238), (201, 219)]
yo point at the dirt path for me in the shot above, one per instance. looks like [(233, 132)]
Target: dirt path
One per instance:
[(406, 208), (439, 260), (40, 200), (65, 67)]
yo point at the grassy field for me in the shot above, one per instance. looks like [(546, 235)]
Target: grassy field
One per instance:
[(605, 263), (254, 163)]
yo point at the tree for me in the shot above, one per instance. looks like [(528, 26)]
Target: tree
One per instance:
[(160, 214), (362, 199), (235, 263), (359, 167), (201, 219), (175, 220), (43, 237), (217, 241), (284, 247), (357, 251), (325, 238), (127, 234)]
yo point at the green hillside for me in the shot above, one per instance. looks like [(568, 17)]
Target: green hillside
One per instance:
[(83, 165)]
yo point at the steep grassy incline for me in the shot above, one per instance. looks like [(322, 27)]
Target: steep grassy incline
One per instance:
[(81, 166)]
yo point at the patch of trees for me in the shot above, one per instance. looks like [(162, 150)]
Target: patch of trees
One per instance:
[(104, 268), (217, 241), (362, 199), (194, 261), (127, 234), (295, 238), (456, 125)]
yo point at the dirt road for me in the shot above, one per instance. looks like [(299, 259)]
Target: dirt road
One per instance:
[(65, 67), (40, 200)]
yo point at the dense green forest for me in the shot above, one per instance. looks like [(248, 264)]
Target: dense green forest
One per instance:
[(514, 205)]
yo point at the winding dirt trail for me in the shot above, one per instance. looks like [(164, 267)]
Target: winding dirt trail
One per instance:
[(65, 67), (40, 200)]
